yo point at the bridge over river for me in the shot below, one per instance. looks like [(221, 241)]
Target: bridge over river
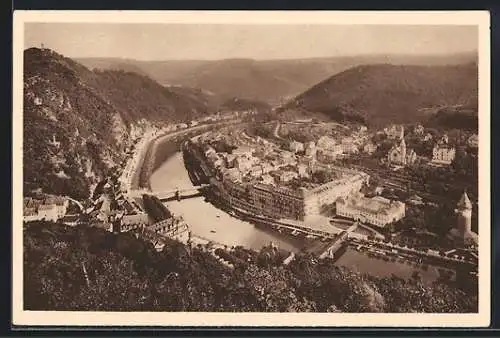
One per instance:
[(178, 193)]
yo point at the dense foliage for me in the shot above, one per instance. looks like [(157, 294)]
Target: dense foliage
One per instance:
[(454, 119), (87, 268), (155, 209)]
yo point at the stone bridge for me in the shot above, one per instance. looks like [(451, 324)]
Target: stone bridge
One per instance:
[(169, 194)]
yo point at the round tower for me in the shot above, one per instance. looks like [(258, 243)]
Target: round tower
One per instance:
[(464, 215)]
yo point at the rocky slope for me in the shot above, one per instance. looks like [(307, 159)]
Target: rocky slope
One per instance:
[(77, 122)]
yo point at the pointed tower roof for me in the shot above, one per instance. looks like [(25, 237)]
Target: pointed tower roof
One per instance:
[(464, 202), (403, 143)]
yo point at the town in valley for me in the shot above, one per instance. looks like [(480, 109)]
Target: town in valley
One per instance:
[(250, 190)]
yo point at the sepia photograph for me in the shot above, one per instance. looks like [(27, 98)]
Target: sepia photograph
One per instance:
[(251, 168)]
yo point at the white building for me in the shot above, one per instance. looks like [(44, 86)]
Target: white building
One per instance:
[(209, 150), (256, 171), (303, 170), (267, 179), (310, 149), (377, 211), (348, 146), (362, 129), (394, 131), (473, 141), (243, 164), (329, 155), (419, 129), (51, 208), (326, 142), (370, 148), (348, 183), (296, 146), (232, 174), (61, 204), (132, 219), (243, 151), (443, 153), (30, 214), (286, 176), (48, 212)]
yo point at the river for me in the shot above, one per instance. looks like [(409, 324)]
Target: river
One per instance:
[(207, 221)]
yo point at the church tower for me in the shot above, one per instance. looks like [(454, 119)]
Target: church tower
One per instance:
[(403, 146), (464, 214)]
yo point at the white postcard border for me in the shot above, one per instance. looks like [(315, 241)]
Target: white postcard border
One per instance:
[(70, 318)]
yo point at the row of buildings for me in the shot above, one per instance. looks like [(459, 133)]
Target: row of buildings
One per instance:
[(328, 148), (262, 187), (443, 152), (50, 208), (278, 201)]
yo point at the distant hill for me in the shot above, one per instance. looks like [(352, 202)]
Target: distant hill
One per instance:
[(272, 81), (245, 104), (137, 96), (385, 93), (161, 71), (77, 122)]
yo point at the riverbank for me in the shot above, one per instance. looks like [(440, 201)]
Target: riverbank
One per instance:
[(208, 221), (160, 148), (211, 221)]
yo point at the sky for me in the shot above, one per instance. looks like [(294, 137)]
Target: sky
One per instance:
[(219, 41)]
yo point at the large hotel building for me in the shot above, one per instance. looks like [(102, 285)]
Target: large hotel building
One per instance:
[(286, 189), (377, 211), (284, 202)]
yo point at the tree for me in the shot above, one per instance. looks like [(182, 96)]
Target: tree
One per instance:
[(127, 274)]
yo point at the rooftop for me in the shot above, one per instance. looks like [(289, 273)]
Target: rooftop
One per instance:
[(29, 211), (47, 206), (464, 202), (376, 204)]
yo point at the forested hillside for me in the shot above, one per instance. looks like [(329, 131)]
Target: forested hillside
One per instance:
[(77, 122), (449, 118), (271, 81), (386, 93), (90, 269)]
